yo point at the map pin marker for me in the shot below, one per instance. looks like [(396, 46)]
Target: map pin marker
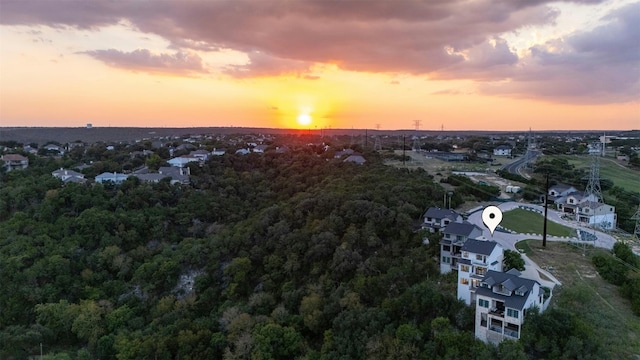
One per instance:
[(492, 216)]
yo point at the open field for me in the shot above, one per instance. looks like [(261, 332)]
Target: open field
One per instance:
[(624, 177), (528, 222), (439, 169), (589, 296)]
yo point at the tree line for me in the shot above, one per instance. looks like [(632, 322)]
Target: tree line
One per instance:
[(272, 256)]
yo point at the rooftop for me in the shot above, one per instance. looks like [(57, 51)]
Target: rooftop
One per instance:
[(439, 213), (464, 228), (483, 247), (511, 281)]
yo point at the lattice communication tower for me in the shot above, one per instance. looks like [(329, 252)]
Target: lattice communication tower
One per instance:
[(416, 138), (377, 144), (636, 231), (593, 185)]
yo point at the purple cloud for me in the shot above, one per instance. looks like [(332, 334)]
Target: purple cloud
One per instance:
[(444, 39), (596, 66), (143, 60)]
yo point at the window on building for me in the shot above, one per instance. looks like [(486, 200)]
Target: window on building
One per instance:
[(483, 320), (483, 303), (429, 219), (464, 281), (446, 248), (513, 313), (465, 254), (464, 268), (481, 270), (446, 260), (448, 236)]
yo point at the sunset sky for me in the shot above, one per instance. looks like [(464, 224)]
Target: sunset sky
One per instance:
[(464, 65)]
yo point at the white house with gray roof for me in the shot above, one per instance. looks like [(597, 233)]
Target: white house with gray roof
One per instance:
[(113, 177), (598, 214), (68, 176), (455, 235), (502, 301), (478, 257), (436, 218)]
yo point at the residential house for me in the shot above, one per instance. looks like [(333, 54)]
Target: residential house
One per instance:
[(586, 209), (597, 214), (30, 150), (68, 176), (150, 177), (185, 147), (561, 190), (558, 194), (478, 257), (14, 162), (260, 149), (502, 150), (455, 235), (201, 155), (218, 152), (344, 152), (54, 149), (570, 202), (436, 218), (114, 177), (356, 159), (182, 161), (178, 175), (243, 152), (502, 301), (282, 149)]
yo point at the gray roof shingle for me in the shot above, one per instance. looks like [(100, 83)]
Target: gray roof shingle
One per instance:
[(464, 228), (439, 213), (483, 247), (510, 280)]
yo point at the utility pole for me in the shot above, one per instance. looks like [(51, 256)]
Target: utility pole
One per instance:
[(366, 139), (544, 226), (403, 149)]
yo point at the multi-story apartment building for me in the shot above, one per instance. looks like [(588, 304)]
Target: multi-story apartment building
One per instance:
[(455, 235), (478, 257), (502, 301)]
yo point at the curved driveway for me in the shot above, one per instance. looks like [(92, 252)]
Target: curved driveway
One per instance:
[(508, 240)]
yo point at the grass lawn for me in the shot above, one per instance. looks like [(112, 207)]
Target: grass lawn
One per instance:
[(523, 246), (528, 222), (626, 178), (588, 296)]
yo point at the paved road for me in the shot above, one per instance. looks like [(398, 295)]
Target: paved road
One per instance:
[(508, 240), (514, 167)]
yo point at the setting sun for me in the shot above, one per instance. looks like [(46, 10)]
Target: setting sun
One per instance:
[(304, 119)]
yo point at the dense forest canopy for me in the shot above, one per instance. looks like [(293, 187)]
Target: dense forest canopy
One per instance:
[(264, 256)]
